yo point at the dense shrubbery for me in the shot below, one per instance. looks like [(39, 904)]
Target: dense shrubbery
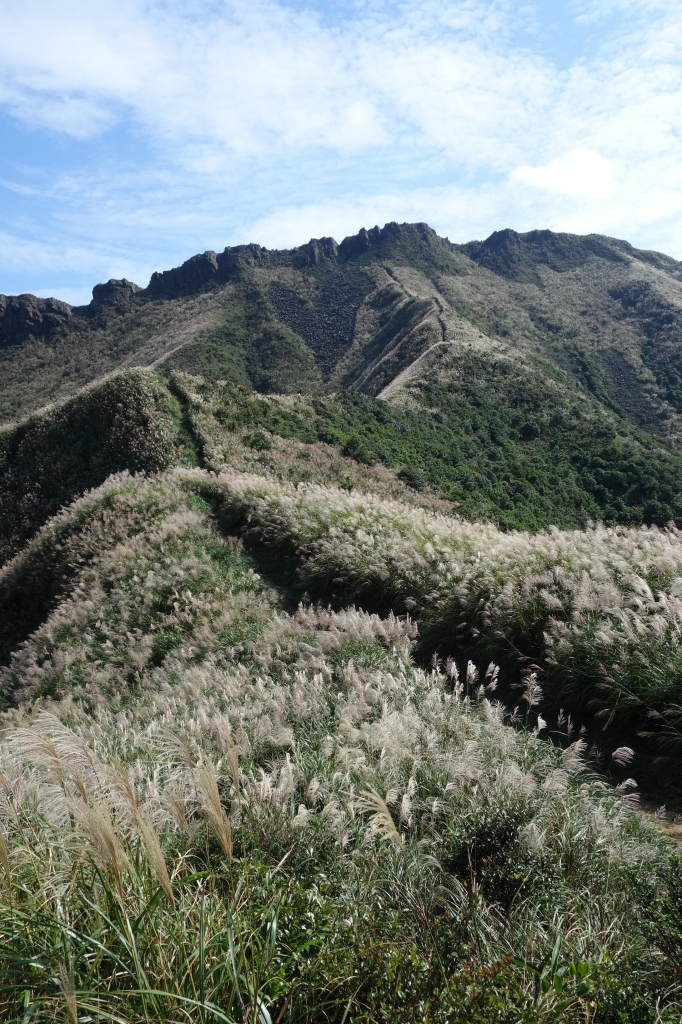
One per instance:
[(220, 811), (503, 443)]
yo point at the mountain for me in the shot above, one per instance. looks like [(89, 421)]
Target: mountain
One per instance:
[(533, 379), (359, 316), (340, 619)]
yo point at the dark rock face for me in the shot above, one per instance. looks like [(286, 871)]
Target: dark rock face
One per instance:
[(25, 316), (316, 251), (209, 268), (204, 270), (327, 326), (389, 240), (114, 293), (355, 245), (192, 276)]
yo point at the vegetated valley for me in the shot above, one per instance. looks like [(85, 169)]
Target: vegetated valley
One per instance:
[(340, 660)]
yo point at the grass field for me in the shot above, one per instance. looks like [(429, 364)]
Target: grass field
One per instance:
[(219, 805)]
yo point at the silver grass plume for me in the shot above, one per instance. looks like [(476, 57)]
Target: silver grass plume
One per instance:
[(68, 986), (4, 858), (95, 822), (381, 820), (155, 857), (233, 761), (207, 789), (533, 691)]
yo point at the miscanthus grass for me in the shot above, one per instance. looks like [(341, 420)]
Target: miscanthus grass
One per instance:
[(597, 612), (215, 809)]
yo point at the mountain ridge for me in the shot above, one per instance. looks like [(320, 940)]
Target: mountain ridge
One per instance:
[(542, 292), (502, 360), (502, 252)]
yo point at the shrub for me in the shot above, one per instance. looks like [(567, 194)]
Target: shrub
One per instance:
[(413, 477)]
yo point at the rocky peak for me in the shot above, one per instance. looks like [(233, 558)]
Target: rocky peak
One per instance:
[(186, 279), (516, 255), (26, 316), (114, 293)]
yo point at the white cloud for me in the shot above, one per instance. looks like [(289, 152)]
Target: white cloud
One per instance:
[(273, 123), (581, 173)]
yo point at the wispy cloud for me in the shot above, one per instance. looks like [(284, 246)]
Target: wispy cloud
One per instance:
[(190, 123)]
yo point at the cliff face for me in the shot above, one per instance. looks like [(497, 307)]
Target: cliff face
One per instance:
[(25, 316)]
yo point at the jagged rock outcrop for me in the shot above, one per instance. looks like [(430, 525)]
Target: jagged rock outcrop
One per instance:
[(211, 269), (193, 275), (115, 294), (319, 250), (204, 269), (25, 316)]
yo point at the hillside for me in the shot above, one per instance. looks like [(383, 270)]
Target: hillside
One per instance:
[(218, 801), (363, 314), (340, 620), (535, 377)]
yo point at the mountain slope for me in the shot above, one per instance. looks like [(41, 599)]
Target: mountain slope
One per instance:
[(535, 379), (358, 314), (210, 801)]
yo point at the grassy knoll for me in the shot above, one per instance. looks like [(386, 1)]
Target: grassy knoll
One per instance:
[(129, 421)]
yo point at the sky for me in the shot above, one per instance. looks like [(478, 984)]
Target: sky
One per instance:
[(137, 133)]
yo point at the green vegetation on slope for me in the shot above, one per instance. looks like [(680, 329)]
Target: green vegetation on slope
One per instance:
[(128, 422), (219, 811), (501, 441), (247, 345)]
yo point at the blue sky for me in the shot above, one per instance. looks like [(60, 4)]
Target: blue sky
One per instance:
[(134, 135)]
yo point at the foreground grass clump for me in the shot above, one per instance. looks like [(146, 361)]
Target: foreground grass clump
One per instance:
[(596, 611), (389, 847), (216, 809)]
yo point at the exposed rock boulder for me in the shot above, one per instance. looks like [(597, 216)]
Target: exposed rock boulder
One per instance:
[(116, 294)]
